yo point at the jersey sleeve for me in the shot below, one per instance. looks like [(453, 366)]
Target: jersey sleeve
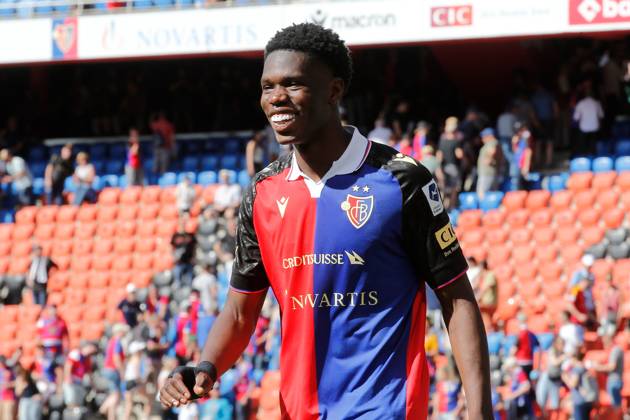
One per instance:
[(428, 234), (248, 272)]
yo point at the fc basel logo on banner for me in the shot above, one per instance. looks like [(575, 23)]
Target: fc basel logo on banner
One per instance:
[(64, 38), (358, 209)]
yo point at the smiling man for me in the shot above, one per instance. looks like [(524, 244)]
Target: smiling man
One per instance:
[(346, 232)]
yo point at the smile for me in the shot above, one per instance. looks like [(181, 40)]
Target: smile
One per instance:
[(279, 118)]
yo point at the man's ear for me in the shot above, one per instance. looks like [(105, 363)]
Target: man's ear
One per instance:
[(337, 89)]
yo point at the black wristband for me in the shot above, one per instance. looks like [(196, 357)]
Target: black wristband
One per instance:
[(207, 368), (189, 375)]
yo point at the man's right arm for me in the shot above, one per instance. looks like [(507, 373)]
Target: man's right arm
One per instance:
[(227, 340)]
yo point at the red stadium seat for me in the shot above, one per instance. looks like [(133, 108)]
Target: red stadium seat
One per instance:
[(142, 278), (95, 313), (85, 230), (58, 281), (592, 235), (67, 214), (144, 245), (166, 228), (146, 229), (604, 181), (496, 236), (168, 212), (163, 261), (561, 200), (585, 199), (498, 255), (92, 331), (589, 216), (106, 230), (151, 195), (44, 231), (103, 246), (580, 181), (131, 195), (520, 236), (608, 199), (78, 280), (109, 196), (81, 263), (107, 213), (565, 218), (542, 217), (546, 253), (208, 194), (5, 248), (538, 199), (22, 249), (167, 196), (526, 271), (571, 253), (518, 218), (124, 245), (623, 181), (102, 262), (64, 230), (6, 231), (4, 265), (122, 263), (98, 280), (149, 211), (514, 200), (504, 273), (62, 247), (522, 254), (127, 212), (613, 218), (82, 247), (473, 236), (63, 262), (26, 215), (567, 235), (493, 219), (87, 213), (125, 229), (97, 295), (543, 236), (47, 214)]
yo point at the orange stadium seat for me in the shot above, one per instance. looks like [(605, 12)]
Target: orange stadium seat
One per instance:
[(97, 296), (124, 245), (67, 214), (539, 324), (130, 195), (64, 230), (520, 236), (544, 235), (119, 280), (498, 255), (92, 330), (473, 236), (620, 272), (522, 254), (613, 218), (554, 288), (81, 263), (166, 228), (561, 200), (528, 288), (496, 236), (144, 245), (542, 217), (87, 213), (623, 181), (102, 262), (526, 271), (604, 180), (624, 201), (6, 231), (163, 244), (601, 269), (518, 218), (63, 262), (146, 228), (109, 196), (107, 213), (168, 212), (546, 253), (208, 194), (62, 247), (142, 261), (125, 229), (98, 280), (44, 231), (85, 230), (78, 280), (122, 263), (537, 199), (142, 278), (585, 199), (608, 199), (103, 246), (493, 219), (149, 211), (589, 216), (26, 215), (592, 235), (167, 195), (191, 225), (5, 248), (82, 247), (514, 200), (127, 212), (58, 281), (580, 181), (76, 297), (163, 261), (478, 252), (4, 265), (21, 248), (8, 332), (27, 316), (567, 235), (95, 313), (565, 218), (504, 273), (571, 253), (47, 214), (150, 194), (106, 230)]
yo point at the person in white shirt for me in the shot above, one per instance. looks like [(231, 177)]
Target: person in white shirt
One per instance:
[(185, 196), (18, 175), (227, 195), (571, 333), (588, 114)]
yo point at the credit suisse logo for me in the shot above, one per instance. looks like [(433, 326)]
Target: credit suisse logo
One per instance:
[(451, 16), (582, 12)]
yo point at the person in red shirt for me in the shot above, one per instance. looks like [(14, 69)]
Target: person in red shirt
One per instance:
[(526, 346), (113, 369), (53, 335), (78, 366), (133, 167)]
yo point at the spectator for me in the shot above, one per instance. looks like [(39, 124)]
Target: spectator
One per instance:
[(506, 124), (113, 370), (572, 333), (580, 303), (216, 407), (430, 161), (526, 345), (489, 163), (227, 194), (164, 146), (588, 114), (135, 376), (130, 307), (58, 169), (183, 244), (610, 302), (448, 402), (133, 167), (255, 153), (83, 177), (53, 334), (77, 369), (404, 146), (7, 390), (581, 287), (420, 139), (30, 400), (185, 197), (614, 368), (450, 155), (19, 176), (37, 276), (577, 379), (380, 133), (206, 282), (550, 382), (401, 119), (518, 400), (521, 157), (546, 110), (487, 292)]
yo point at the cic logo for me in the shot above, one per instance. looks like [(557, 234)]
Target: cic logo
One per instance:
[(451, 16)]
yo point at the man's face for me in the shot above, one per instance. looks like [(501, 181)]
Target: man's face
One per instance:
[(299, 95)]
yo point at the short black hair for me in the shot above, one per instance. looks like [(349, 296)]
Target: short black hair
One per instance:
[(315, 40)]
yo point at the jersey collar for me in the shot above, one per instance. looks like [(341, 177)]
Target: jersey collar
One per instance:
[(351, 160)]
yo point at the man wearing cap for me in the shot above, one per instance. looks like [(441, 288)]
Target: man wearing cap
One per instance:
[(583, 279), (489, 163), (130, 307)]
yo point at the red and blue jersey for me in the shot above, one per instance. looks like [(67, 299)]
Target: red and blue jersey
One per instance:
[(347, 259)]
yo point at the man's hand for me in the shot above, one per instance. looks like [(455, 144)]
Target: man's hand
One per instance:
[(187, 383)]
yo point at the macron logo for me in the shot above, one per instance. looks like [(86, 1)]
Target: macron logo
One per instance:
[(282, 205), (354, 258)]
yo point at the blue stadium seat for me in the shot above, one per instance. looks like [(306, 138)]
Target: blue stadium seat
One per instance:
[(118, 151), (580, 164), (190, 147), (142, 4), (494, 342), (604, 147), (37, 152), (189, 174), (98, 183), (232, 176), (7, 216), (190, 163), (468, 201), (62, 8), (147, 165), (622, 148), (210, 163), (556, 183), (114, 167), (207, 178), (168, 179), (38, 186), (232, 146), (509, 341), (37, 168), (545, 340), (100, 6), (622, 164), (122, 181), (243, 178), (110, 180), (491, 200), (68, 185), (99, 166), (98, 151), (603, 164), (454, 216), (163, 3), (229, 162)]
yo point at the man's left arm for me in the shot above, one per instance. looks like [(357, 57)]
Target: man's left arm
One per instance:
[(469, 344)]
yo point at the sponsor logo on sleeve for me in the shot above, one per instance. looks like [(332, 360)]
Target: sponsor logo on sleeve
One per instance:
[(432, 194), (445, 236)]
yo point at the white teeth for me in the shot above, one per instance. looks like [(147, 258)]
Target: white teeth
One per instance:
[(282, 117)]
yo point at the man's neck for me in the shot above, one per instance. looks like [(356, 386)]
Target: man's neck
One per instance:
[(317, 156)]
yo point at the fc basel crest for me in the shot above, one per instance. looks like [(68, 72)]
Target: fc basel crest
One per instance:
[(358, 209)]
